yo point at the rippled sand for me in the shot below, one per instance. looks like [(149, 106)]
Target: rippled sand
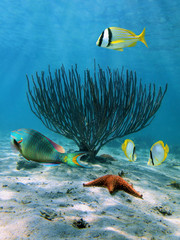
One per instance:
[(50, 202)]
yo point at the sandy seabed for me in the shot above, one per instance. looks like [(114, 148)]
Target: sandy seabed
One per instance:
[(49, 202)]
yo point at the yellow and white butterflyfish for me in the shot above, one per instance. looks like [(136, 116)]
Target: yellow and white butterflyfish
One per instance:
[(118, 38), (128, 148), (158, 153)]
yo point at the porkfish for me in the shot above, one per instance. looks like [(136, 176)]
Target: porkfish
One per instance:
[(119, 38), (128, 148), (34, 146), (158, 153)]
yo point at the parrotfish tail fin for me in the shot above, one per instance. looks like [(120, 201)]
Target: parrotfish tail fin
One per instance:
[(73, 159), (142, 37)]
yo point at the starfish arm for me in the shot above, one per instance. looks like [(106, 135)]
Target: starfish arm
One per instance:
[(125, 186), (99, 182)]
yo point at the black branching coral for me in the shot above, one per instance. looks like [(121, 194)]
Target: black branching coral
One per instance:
[(96, 109)]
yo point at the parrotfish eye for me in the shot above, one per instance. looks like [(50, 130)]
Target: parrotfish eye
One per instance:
[(20, 140)]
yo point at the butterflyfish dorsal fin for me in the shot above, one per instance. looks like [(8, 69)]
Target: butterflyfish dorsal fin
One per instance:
[(133, 44), (119, 49)]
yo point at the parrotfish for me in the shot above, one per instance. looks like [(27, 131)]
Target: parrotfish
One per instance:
[(158, 153), (34, 146), (118, 38), (128, 148)]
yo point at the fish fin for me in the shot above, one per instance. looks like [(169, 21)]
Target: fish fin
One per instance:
[(130, 158), (115, 28), (124, 145), (135, 157), (132, 44), (142, 37), (51, 164), (149, 162), (124, 30), (119, 49), (72, 159), (166, 148), (130, 32), (56, 146)]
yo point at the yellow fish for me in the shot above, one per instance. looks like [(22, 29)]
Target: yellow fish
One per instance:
[(158, 153), (128, 148), (119, 38)]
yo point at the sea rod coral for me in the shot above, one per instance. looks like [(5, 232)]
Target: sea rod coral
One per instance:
[(92, 111)]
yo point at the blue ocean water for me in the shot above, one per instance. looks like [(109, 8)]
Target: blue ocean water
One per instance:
[(38, 33)]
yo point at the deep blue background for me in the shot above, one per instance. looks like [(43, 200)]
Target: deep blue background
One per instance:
[(36, 33)]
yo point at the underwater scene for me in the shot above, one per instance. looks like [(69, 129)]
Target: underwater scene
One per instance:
[(89, 119)]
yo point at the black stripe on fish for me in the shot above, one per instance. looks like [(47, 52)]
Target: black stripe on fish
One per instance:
[(134, 149), (101, 39), (109, 37), (151, 157)]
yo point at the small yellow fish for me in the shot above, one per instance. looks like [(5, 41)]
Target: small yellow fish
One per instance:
[(128, 148), (119, 38), (158, 153)]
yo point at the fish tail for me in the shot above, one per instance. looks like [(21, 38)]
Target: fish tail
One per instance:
[(166, 148), (73, 159), (142, 37)]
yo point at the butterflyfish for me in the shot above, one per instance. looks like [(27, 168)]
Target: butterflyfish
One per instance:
[(128, 148), (34, 146), (118, 38), (158, 153)]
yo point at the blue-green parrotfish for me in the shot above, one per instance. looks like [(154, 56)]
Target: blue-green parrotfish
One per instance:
[(34, 146), (119, 38)]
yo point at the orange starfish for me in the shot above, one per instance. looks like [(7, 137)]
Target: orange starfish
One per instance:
[(114, 183)]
